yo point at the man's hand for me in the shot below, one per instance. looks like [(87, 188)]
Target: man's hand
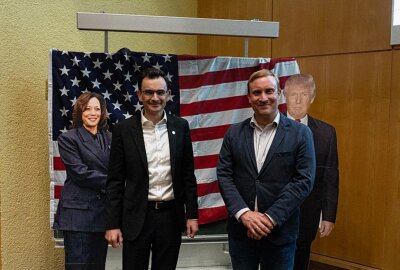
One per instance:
[(114, 237), (192, 228), (258, 224), (326, 228)]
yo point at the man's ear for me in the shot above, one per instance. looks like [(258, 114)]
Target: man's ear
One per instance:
[(168, 95)]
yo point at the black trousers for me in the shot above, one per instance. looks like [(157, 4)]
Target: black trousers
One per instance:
[(161, 235), (85, 250), (303, 246)]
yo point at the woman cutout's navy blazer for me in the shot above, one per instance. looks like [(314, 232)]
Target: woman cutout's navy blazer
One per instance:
[(81, 206)]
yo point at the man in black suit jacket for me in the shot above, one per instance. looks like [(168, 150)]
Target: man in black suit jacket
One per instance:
[(265, 171), (151, 187), (319, 209)]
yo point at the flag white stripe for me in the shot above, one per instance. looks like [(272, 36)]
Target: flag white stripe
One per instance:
[(218, 118), (287, 68), (205, 176), (202, 66), (210, 200), (205, 148), (212, 92), (59, 177), (56, 152), (53, 209)]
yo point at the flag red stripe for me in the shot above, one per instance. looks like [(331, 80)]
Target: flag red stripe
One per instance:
[(208, 133), (216, 77), (57, 191), (207, 188), (205, 162), (273, 62), (208, 215), (58, 164), (216, 105), (282, 81), (282, 107), (264, 66)]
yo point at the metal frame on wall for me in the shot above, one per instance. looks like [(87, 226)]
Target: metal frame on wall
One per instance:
[(176, 25)]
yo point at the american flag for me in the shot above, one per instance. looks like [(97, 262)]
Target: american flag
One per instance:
[(210, 92)]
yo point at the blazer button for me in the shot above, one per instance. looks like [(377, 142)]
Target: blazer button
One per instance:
[(252, 203), (257, 181)]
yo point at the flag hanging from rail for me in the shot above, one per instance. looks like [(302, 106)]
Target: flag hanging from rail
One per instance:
[(210, 92)]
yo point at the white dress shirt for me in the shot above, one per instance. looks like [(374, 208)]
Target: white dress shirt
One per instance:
[(158, 159)]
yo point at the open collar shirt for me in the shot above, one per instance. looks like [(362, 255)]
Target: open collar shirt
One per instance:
[(158, 159)]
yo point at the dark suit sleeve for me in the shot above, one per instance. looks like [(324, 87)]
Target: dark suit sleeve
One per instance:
[(77, 171), (189, 177), (115, 181), (331, 181), (232, 197), (300, 185)]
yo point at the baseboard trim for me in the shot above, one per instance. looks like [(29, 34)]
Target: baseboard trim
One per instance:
[(340, 263)]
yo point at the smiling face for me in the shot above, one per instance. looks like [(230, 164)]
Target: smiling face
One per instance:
[(91, 114), (154, 96), (263, 97)]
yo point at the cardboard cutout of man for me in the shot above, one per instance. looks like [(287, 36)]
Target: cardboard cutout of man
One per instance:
[(319, 209)]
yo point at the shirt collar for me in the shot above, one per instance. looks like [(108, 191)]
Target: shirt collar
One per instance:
[(303, 120), (146, 121), (253, 122)]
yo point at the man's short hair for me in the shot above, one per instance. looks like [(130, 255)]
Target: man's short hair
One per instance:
[(303, 80), (151, 73)]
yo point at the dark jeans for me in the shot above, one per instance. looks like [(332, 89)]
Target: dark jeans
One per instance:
[(248, 254), (85, 250)]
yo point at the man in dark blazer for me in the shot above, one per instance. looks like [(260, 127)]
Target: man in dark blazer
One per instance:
[(319, 209), (151, 187), (266, 169)]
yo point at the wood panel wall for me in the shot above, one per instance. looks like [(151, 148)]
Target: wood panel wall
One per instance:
[(315, 27), (391, 224), (237, 10), (345, 45)]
